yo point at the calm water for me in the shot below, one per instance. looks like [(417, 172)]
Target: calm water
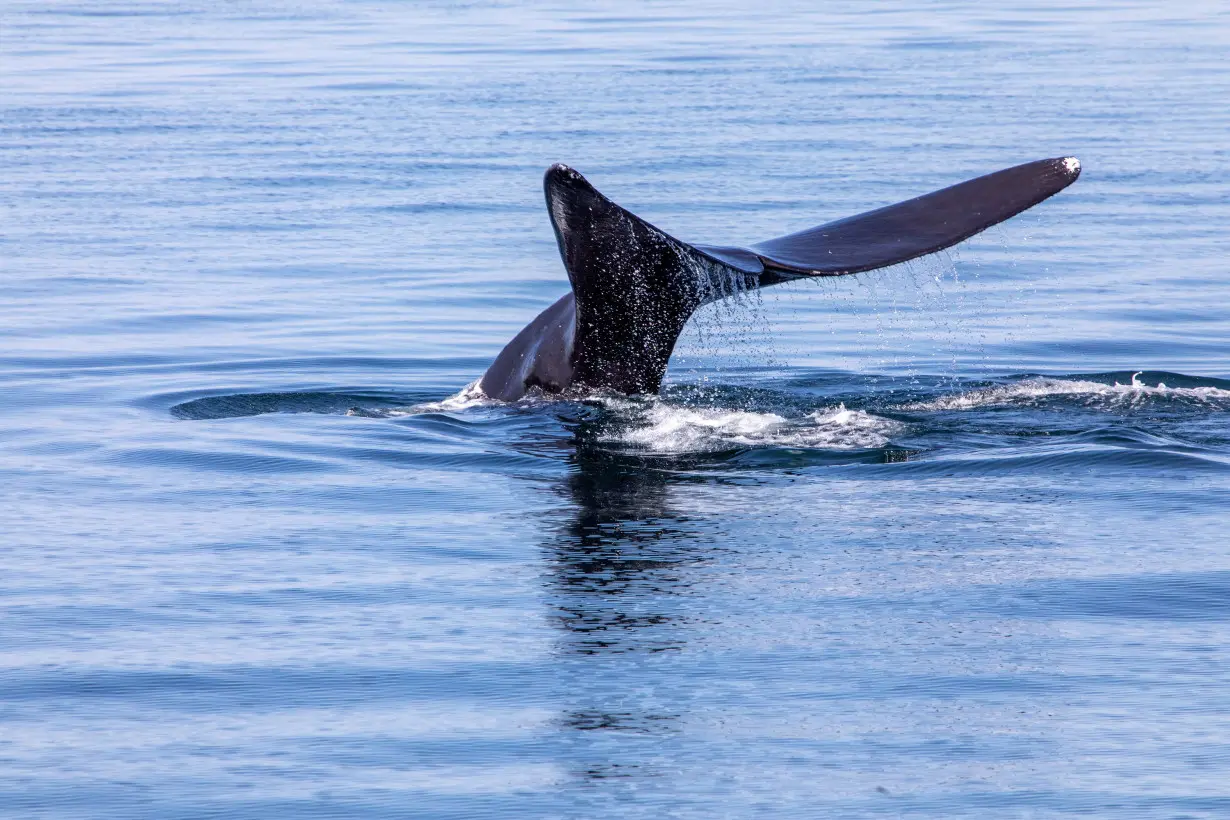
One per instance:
[(931, 542)]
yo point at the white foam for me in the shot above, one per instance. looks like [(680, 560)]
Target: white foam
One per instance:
[(665, 428), (1029, 391), (469, 396), (1072, 164)]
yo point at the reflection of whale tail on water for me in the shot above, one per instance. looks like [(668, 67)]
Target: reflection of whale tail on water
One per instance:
[(624, 570), (619, 560), (634, 287)]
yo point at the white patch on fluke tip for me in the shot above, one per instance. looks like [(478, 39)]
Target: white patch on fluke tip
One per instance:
[(1072, 164)]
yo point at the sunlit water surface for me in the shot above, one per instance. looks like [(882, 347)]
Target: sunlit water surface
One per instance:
[(947, 540)]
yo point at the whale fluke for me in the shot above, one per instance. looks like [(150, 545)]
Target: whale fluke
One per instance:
[(916, 227), (634, 286)]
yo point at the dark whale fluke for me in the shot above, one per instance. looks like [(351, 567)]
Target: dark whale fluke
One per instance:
[(634, 286)]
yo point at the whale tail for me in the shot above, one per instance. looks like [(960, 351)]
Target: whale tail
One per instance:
[(635, 286)]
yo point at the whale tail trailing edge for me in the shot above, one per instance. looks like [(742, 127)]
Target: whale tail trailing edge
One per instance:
[(635, 286)]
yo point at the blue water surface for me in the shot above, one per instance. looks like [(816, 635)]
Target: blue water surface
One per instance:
[(946, 540)]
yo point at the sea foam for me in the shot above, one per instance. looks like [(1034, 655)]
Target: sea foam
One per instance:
[(1032, 391)]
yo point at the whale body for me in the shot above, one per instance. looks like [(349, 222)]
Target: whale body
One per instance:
[(634, 286)]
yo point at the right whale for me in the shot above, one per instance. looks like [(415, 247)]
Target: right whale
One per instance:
[(634, 287)]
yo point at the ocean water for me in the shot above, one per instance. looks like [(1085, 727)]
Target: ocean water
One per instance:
[(945, 540)]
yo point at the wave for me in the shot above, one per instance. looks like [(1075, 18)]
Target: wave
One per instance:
[(660, 427), (1037, 390), (469, 396)]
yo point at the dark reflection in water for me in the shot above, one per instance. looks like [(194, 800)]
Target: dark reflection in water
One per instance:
[(620, 558), (621, 579)]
